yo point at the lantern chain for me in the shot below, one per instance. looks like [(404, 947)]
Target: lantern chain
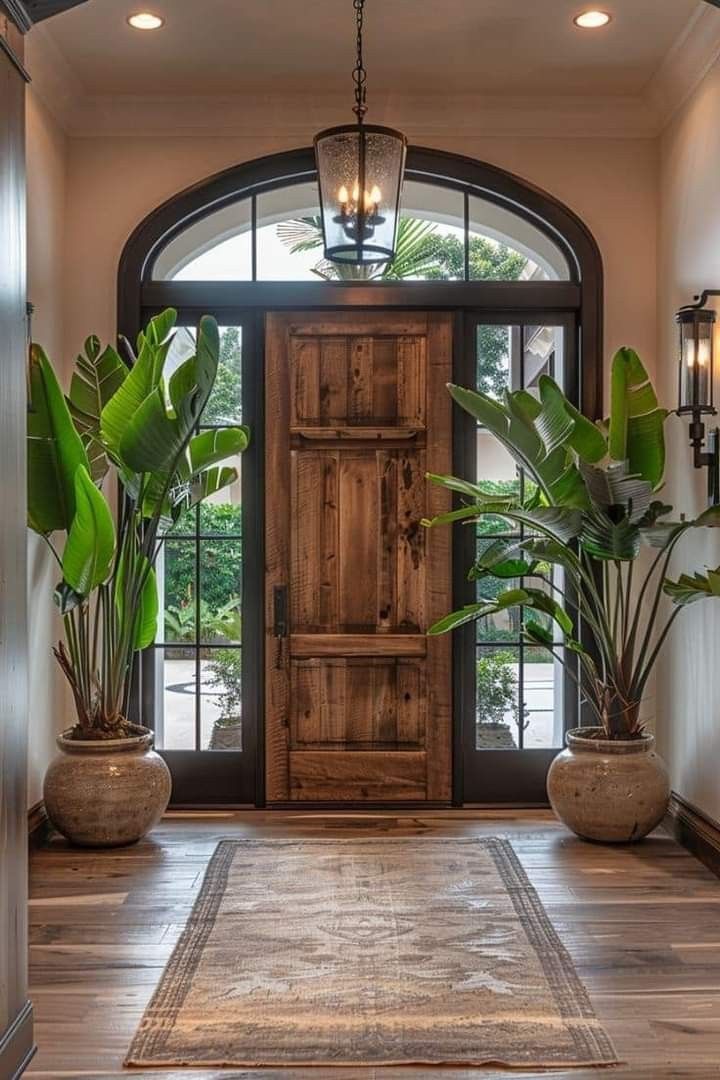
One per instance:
[(359, 72)]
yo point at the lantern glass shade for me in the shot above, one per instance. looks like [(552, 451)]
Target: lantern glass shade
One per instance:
[(696, 360), (360, 170)]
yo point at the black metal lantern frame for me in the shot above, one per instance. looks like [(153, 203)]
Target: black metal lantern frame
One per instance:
[(696, 324), (360, 172)]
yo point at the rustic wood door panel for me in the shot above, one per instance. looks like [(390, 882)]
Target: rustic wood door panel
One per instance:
[(358, 697)]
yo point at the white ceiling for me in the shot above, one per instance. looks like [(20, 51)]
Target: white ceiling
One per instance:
[(476, 47)]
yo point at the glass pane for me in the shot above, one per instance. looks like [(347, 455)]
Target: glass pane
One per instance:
[(220, 590), (505, 247), (225, 403), (221, 514), (506, 625), (434, 229), (289, 237), (498, 360), (543, 691), (543, 354), (497, 715), (179, 591), (174, 710), (218, 248), (221, 699)]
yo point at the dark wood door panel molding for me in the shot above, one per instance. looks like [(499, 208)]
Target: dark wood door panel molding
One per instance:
[(357, 415)]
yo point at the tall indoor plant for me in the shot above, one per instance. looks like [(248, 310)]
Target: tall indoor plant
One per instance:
[(136, 424), (591, 506)]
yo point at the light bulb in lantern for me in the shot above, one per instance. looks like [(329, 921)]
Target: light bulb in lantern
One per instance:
[(343, 197), (376, 195)]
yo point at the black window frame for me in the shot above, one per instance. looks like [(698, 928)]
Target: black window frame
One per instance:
[(578, 301)]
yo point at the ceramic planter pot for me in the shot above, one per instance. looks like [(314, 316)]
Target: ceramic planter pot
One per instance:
[(616, 792), (106, 793), (226, 736)]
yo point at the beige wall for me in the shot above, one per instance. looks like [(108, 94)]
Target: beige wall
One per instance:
[(46, 196), (688, 705), (111, 183), (611, 184)]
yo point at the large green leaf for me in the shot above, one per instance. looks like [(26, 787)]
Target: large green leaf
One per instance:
[(136, 613), (636, 424), (535, 599), (687, 590), (98, 375), (154, 437), (210, 447), (614, 486), (514, 425), (502, 559), (144, 378), (609, 540), (54, 449), (146, 616), (472, 612), (88, 554)]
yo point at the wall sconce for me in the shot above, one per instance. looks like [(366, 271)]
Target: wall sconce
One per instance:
[(695, 391)]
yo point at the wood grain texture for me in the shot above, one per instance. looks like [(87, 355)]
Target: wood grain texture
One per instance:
[(365, 579), (13, 574), (439, 565), (642, 925), (277, 555), (332, 776)]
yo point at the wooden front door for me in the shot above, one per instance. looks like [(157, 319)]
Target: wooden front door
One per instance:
[(358, 698)]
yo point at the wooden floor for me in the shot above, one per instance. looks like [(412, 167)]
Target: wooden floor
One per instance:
[(642, 925)]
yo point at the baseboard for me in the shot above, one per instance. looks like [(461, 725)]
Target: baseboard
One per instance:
[(38, 825), (695, 831), (16, 1045)]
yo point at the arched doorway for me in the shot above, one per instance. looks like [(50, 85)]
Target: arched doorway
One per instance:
[(515, 279)]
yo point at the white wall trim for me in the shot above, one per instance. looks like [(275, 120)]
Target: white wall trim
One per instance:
[(686, 64)]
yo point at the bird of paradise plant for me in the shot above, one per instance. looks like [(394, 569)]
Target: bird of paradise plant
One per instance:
[(592, 507), (134, 423)]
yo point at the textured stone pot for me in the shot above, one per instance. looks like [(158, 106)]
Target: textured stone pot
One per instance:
[(616, 792), (226, 736), (106, 793)]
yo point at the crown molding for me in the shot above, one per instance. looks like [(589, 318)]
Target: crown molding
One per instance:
[(686, 64), (297, 117)]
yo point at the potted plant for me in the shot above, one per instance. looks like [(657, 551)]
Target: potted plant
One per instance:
[(137, 425), (590, 508), (226, 671), (496, 687)]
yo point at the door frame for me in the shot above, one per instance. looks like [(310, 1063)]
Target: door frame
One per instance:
[(139, 297), (197, 788)]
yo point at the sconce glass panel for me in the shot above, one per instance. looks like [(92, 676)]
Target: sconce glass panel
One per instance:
[(696, 360)]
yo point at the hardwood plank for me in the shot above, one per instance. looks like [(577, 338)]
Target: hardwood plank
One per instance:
[(309, 645), (653, 973), (333, 379), (439, 561), (318, 775), (277, 556)]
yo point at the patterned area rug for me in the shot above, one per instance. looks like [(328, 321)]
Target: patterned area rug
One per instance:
[(369, 952)]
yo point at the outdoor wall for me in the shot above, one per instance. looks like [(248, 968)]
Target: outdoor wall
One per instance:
[(46, 192), (688, 691), (112, 182)]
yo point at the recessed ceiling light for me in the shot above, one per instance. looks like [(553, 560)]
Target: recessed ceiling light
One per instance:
[(592, 20), (145, 20)]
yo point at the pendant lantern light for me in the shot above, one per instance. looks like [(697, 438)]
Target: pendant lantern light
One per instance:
[(360, 172)]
